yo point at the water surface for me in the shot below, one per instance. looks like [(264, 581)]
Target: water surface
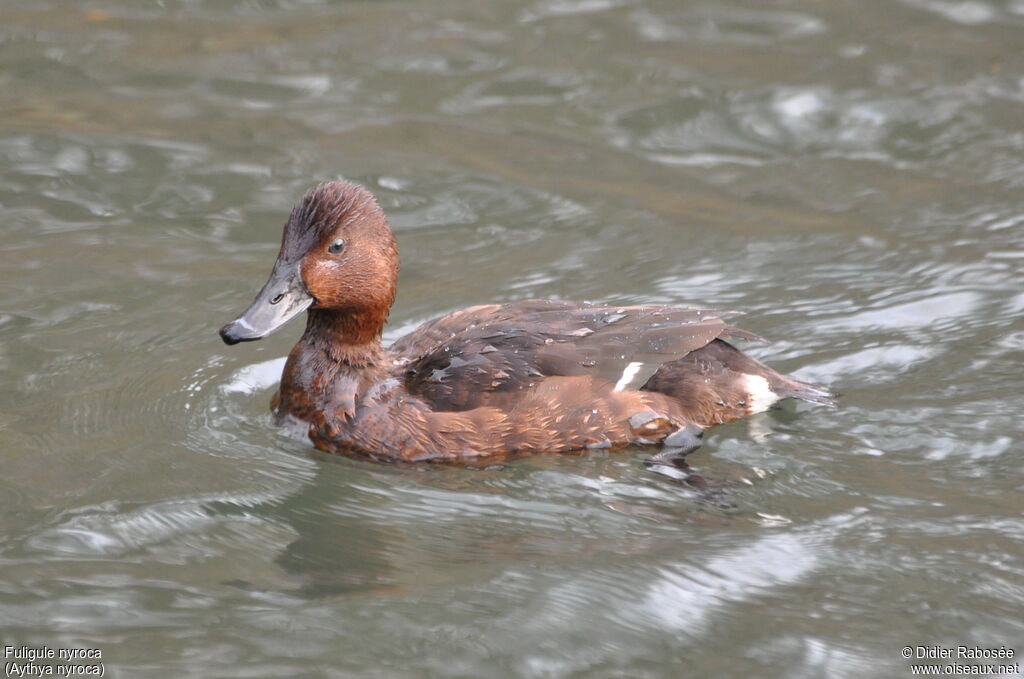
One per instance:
[(848, 174)]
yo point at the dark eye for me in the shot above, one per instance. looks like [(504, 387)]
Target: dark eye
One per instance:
[(337, 246)]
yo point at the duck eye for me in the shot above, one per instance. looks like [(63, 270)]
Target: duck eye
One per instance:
[(337, 246)]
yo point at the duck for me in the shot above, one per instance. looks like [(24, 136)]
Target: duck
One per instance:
[(489, 381)]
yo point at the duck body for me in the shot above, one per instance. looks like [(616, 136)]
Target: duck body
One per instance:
[(532, 376)]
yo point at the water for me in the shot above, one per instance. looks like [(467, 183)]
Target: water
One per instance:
[(847, 174)]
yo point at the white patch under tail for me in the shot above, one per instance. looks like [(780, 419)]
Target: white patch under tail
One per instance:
[(760, 396), (628, 374)]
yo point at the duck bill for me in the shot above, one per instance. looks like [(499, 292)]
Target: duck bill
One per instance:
[(283, 298)]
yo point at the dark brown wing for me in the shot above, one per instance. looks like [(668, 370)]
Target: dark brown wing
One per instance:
[(487, 355), (428, 336)]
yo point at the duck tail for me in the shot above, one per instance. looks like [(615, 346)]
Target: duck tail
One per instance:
[(806, 391)]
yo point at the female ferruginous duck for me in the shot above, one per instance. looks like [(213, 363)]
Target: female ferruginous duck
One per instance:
[(492, 380)]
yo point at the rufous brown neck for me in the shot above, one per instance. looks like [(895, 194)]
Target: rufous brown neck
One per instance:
[(337, 357), (351, 338)]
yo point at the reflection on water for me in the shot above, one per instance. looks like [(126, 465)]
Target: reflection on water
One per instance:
[(847, 175)]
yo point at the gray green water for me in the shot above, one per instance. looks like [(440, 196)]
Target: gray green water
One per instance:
[(849, 174)]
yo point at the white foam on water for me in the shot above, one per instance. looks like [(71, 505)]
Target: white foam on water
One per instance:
[(255, 377)]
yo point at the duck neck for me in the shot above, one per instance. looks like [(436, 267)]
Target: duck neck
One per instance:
[(349, 339), (337, 357)]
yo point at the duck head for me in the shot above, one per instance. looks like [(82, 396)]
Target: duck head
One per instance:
[(338, 259)]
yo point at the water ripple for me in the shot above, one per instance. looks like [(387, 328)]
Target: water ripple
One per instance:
[(848, 175)]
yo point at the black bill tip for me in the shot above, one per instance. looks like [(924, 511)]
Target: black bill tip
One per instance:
[(233, 333)]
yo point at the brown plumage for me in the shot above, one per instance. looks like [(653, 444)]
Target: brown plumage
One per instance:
[(495, 380)]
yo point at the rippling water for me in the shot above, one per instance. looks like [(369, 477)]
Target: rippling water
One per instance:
[(849, 174)]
